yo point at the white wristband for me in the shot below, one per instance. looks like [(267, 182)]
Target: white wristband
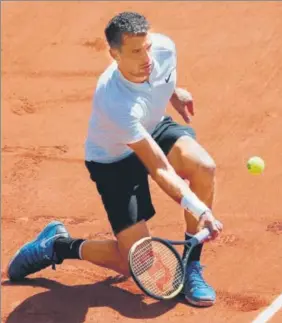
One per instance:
[(193, 204)]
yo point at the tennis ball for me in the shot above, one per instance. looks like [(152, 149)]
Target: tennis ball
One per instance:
[(256, 165)]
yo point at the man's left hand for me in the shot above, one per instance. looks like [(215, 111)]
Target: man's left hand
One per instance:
[(182, 102)]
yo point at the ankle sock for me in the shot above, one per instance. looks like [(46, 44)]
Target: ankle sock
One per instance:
[(68, 248), (196, 252)]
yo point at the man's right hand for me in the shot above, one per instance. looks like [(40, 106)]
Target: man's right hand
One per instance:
[(207, 220)]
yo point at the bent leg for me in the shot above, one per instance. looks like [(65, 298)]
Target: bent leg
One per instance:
[(194, 164)]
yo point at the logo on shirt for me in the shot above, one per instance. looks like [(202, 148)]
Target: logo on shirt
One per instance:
[(168, 77)]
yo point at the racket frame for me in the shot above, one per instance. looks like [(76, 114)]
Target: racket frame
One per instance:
[(191, 243), (176, 254)]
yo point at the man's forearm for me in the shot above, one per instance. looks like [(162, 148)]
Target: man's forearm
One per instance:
[(154, 159), (179, 191)]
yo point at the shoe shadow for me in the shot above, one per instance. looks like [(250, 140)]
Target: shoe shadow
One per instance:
[(70, 304)]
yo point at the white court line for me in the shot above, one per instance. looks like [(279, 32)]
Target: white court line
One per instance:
[(267, 314)]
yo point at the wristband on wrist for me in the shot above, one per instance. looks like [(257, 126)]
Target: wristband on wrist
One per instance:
[(194, 205)]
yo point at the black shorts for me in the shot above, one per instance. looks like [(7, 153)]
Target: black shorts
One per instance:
[(123, 185)]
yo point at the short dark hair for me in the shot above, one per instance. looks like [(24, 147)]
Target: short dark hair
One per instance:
[(125, 23)]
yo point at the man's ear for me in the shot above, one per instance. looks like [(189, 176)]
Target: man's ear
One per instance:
[(115, 54)]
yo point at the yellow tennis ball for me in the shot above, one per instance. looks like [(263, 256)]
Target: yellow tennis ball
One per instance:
[(256, 165)]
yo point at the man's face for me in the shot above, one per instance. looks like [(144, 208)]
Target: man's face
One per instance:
[(134, 56)]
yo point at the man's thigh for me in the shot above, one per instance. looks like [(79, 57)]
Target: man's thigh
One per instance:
[(188, 157), (183, 151), (124, 190)]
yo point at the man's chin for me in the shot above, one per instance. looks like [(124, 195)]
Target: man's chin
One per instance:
[(144, 74), (141, 76)]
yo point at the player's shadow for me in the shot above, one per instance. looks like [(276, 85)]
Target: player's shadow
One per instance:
[(70, 304)]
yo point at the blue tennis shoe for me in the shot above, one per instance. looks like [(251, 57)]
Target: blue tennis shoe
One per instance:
[(197, 292), (37, 254)]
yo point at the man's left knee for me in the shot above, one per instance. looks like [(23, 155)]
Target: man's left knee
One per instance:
[(207, 165), (190, 160)]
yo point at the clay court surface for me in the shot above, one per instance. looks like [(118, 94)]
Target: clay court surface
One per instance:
[(230, 58)]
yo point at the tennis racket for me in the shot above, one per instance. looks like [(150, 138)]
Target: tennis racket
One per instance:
[(156, 266)]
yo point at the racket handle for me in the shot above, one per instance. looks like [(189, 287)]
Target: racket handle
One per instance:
[(199, 237)]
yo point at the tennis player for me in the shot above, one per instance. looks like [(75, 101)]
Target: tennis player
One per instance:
[(130, 136)]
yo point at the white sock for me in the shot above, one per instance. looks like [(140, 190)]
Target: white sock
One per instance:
[(79, 251)]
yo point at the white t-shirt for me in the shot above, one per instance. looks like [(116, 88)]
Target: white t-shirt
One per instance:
[(125, 112)]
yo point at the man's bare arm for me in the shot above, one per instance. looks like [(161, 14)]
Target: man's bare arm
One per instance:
[(165, 176)]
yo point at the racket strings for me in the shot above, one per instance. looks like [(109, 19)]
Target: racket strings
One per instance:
[(157, 268)]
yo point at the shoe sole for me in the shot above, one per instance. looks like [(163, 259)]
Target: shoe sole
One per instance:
[(199, 303), (50, 225)]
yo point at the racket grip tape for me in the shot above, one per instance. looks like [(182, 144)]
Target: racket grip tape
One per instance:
[(199, 237)]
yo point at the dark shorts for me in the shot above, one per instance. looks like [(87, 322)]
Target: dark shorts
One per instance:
[(124, 186)]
